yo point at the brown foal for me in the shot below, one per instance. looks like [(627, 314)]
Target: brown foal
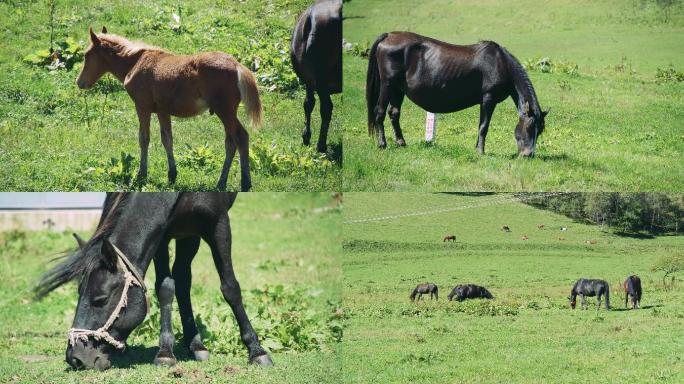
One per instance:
[(177, 85)]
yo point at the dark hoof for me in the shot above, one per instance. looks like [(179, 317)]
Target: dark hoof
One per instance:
[(221, 186), (164, 361), (201, 355), (172, 177), (382, 145), (263, 360), (401, 143), (322, 148), (246, 187), (306, 140)]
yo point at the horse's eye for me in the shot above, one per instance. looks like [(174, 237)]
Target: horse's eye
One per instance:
[(100, 301)]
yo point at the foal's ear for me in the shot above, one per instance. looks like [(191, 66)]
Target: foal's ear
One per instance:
[(104, 29), (93, 37)]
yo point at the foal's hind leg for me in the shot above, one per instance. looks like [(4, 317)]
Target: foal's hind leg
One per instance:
[(395, 112), (144, 141), (309, 103), (164, 287), (182, 274), (167, 140), (220, 242), (486, 110), (236, 136), (326, 116)]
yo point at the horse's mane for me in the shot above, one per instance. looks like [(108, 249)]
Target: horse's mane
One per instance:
[(124, 46), (77, 264), (522, 81)]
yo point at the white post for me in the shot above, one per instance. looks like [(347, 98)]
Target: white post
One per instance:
[(430, 127)]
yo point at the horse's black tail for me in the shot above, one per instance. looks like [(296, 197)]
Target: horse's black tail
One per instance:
[(373, 84)]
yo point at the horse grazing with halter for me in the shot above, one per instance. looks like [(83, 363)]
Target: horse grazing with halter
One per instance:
[(442, 78), (449, 238), (633, 288), (177, 85), (316, 54), (425, 289), (469, 291), (134, 230), (591, 288)]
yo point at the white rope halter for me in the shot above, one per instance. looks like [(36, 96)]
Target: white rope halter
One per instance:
[(131, 278)]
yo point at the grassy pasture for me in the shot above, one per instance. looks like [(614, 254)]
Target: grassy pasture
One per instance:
[(58, 138), (527, 333), (278, 239), (612, 125)]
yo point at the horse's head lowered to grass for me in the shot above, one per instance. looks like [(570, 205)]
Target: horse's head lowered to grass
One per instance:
[(111, 303), (530, 126)]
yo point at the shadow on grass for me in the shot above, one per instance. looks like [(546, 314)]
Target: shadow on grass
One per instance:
[(141, 355), (635, 235), (335, 153), (630, 309)]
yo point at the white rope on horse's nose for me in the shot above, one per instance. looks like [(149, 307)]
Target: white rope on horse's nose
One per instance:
[(131, 278)]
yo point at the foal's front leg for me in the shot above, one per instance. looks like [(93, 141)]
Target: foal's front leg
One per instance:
[(144, 141), (167, 140)]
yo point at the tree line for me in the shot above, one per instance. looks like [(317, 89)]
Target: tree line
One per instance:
[(653, 213)]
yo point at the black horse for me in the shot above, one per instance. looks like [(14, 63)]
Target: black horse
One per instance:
[(442, 78), (591, 288), (469, 291), (425, 288), (633, 288), (134, 230), (316, 53)]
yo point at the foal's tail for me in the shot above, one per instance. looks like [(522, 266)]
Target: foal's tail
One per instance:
[(373, 84), (249, 93)]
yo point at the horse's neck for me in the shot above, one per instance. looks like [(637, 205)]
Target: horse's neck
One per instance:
[(524, 92), (140, 228), (120, 65)]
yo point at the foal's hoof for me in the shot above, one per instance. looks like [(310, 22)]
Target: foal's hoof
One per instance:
[(201, 355), (263, 360), (165, 361)]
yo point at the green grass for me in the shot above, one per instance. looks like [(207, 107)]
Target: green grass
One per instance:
[(611, 126), (293, 231), (52, 141), (527, 333)]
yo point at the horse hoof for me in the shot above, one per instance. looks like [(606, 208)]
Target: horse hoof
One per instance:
[(382, 145), (263, 360), (201, 355), (172, 177), (401, 143), (322, 148), (164, 361)]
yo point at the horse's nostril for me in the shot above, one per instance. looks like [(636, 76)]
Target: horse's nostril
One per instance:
[(76, 363)]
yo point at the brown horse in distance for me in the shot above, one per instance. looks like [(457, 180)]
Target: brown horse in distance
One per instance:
[(316, 54), (449, 238), (177, 85)]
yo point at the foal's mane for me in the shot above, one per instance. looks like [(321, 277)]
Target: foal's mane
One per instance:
[(79, 263), (124, 46)]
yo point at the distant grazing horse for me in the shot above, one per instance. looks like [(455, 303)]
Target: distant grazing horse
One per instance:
[(425, 288), (469, 291), (175, 85), (524, 237), (505, 228), (591, 288), (134, 230), (633, 288), (443, 78), (590, 241), (449, 238), (540, 226), (316, 53)]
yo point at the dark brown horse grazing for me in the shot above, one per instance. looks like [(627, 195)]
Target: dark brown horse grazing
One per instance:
[(449, 238), (590, 288), (174, 85), (633, 288), (425, 288), (442, 78), (316, 54), (135, 230)]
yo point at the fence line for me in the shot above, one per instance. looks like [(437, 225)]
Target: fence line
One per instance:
[(498, 199)]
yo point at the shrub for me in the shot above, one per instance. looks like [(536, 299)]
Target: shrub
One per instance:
[(668, 75), (68, 53), (546, 65), (669, 266)]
